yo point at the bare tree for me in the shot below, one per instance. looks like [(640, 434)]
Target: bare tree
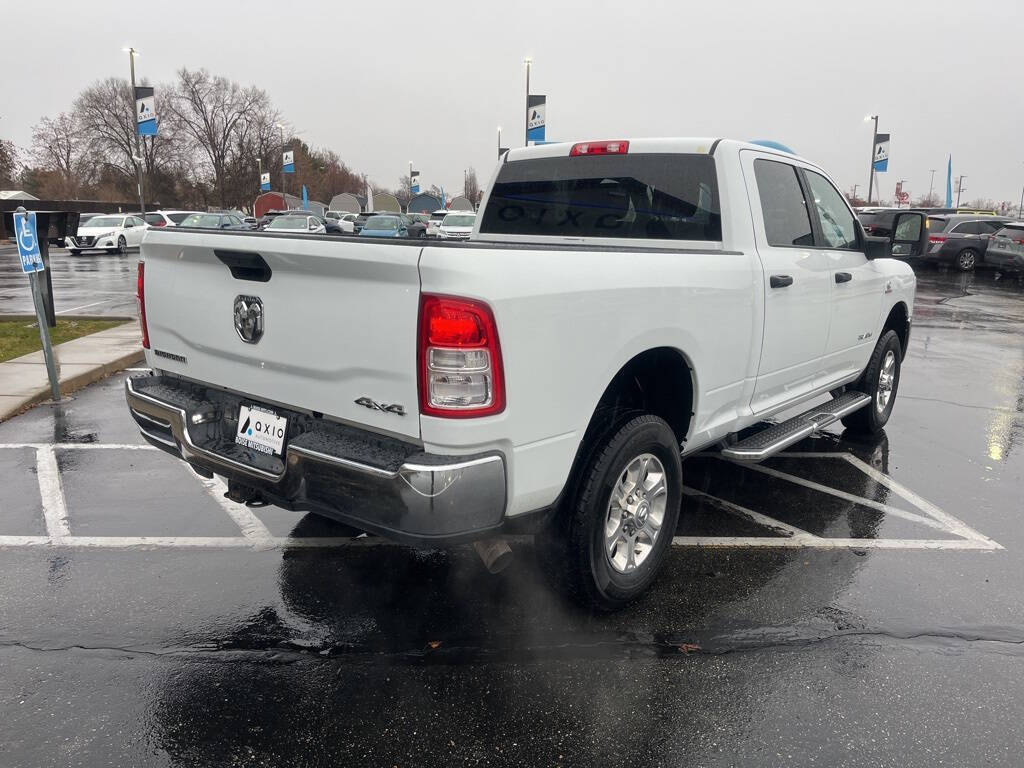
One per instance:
[(928, 201), (59, 149), (472, 187), (218, 117), (8, 163)]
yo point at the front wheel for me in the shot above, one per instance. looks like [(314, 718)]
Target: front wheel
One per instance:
[(967, 259), (880, 380), (122, 245), (74, 251), (607, 547)]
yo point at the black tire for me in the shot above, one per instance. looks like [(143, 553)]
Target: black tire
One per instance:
[(74, 251), (122, 245), (575, 553), (870, 419), (966, 260)]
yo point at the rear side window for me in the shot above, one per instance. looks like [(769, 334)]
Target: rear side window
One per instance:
[(154, 218), (1014, 233), (177, 218), (664, 196), (936, 225), (967, 228), (786, 220)]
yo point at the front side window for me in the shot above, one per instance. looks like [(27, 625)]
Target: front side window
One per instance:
[(646, 196), (837, 223), (786, 220), (288, 222)]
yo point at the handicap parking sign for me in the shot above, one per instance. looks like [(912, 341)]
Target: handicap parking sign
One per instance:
[(28, 242)]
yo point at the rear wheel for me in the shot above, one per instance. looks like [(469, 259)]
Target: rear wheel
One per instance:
[(880, 380), (607, 546), (966, 260)]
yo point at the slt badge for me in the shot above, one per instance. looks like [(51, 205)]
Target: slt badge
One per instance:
[(249, 318)]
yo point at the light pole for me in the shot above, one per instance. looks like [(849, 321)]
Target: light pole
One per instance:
[(526, 133), (874, 138), (959, 188), (284, 176), (259, 167), (855, 193), (410, 182), (931, 185), (499, 142), (132, 53), (901, 183), (1020, 211)]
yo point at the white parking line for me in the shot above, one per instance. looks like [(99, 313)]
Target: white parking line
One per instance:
[(256, 536), (55, 511), (84, 306)]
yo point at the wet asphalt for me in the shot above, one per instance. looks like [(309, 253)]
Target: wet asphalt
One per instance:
[(886, 653), (91, 283)]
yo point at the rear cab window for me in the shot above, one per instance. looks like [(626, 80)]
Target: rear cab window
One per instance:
[(641, 196), (787, 222)]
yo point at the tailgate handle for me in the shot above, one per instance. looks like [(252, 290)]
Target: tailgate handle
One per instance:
[(245, 266)]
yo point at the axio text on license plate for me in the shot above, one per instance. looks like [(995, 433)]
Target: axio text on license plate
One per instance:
[(261, 430)]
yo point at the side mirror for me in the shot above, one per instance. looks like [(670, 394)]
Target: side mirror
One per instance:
[(909, 237)]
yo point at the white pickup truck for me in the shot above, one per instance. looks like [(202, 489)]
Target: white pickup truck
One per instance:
[(620, 305)]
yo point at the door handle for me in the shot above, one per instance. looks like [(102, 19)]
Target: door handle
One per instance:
[(843, 277), (780, 281)]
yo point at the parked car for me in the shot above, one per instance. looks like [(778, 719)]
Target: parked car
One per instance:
[(331, 226), (435, 222), (457, 225), (214, 221), (167, 218), (108, 233), (384, 225), (878, 221), (82, 219), (417, 223), (304, 222), (961, 239), (344, 220), (248, 221), (1006, 247), (546, 377)]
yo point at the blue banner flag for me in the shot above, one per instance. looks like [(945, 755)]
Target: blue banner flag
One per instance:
[(414, 182), (265, 182), (145, 110), (28, 242), (536, 120), (305, 199), (288, 161), (949, 182), (881, 160)]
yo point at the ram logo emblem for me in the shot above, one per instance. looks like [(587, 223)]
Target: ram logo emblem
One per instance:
[(249, 318)]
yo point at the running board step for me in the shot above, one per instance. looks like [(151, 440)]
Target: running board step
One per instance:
[(773, 439)]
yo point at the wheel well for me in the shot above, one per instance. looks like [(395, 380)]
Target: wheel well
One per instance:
[(897, 321), (658, 381)]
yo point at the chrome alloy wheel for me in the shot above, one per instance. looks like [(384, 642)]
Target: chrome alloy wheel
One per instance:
[(886, 381), (636, 511)]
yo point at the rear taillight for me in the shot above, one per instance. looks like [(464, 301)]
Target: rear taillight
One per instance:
[(459, 359), (599, 148), (158, 223), (142, 305), (936, 238), (1019, 241)]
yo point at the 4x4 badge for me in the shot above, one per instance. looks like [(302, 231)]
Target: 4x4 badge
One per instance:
[(373, 405)]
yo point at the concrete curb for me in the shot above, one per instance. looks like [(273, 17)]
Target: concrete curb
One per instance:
[(13, 405)]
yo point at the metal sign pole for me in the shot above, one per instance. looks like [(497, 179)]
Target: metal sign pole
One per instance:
[(44, 334)]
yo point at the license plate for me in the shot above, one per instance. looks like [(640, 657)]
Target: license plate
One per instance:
[(261, 429)]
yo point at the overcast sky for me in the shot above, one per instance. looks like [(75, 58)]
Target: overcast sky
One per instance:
[(431, 81)]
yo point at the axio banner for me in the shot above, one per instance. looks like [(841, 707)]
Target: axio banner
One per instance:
[(265, 182), (289, 161), (145, 110), (881, 160), (536, 107), (414, 182)]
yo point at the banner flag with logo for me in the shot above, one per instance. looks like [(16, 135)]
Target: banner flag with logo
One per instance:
[(305, 198), (288, 161), (881, 160), (536, 109), (145, 110), (414, 182), (265, 182)]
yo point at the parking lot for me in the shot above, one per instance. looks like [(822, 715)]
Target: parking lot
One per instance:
[(847, 603)]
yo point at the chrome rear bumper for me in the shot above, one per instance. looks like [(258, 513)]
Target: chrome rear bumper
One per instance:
[(376, 484)]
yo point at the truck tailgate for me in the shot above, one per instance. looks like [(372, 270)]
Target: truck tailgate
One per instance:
[(339, 318)]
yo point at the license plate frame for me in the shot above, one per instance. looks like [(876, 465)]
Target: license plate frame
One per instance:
[(261, 429)]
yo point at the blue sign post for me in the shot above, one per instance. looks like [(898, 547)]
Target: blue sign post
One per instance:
[(32, 264)]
